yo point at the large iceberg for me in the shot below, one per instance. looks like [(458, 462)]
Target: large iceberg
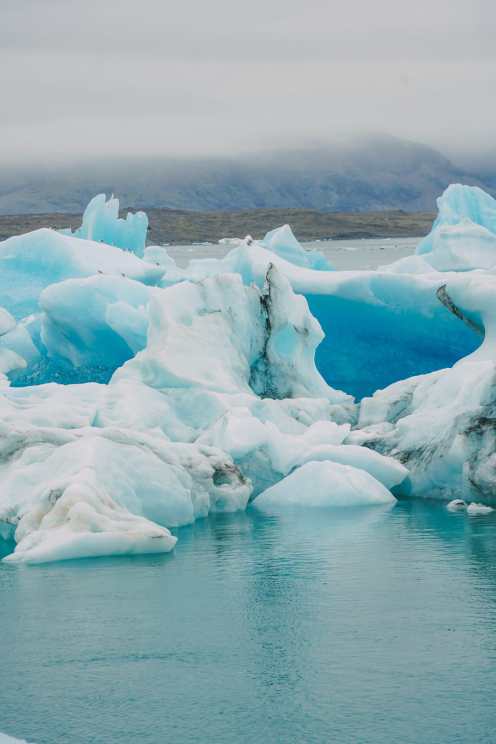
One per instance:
[(165, 394)]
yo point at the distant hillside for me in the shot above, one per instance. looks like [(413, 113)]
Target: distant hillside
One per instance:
[(178, 226), (368, 175)]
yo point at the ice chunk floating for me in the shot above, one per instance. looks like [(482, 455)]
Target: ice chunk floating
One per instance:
[(136, 396), (101, 223)]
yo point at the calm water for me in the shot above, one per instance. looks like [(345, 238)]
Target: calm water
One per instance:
[(347, 626)]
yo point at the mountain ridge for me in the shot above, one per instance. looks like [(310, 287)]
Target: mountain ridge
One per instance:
[(368, 175)]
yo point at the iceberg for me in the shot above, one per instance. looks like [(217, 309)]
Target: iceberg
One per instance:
[(456, 505), (463, 236), (97, 469), (102, 224), (323, 485), (245, 339), (96, 323), (441, 425), (478, 510), (137, 396), (30, 263), (157, 254), (283, 243), (378, 325), (461, 204), (73, 485)]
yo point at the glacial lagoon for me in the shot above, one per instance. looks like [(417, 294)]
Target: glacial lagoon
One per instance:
[(366, 624), (355, 625)]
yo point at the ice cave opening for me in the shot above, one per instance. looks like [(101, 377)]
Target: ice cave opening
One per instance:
[(367, 347)]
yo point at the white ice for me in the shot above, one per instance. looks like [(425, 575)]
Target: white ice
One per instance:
[(478, 510), (283, 243), (214, 397), (462, 238), (456, 505), (323, 484)]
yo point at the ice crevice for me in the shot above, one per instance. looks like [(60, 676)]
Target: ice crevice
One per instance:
[(443, 296)]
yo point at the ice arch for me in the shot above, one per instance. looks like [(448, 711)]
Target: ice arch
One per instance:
[(369, 346)]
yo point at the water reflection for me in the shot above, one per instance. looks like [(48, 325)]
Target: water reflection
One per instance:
[(338, 625)]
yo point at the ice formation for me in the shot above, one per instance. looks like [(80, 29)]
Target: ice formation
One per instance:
[(478, 510), (283, 243), (441, 425), (473, 509), (462, 238), (136, 396), (101, 223), (456, 505), (323, 484), (29, 263)]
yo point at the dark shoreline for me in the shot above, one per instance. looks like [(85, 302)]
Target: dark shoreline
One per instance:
[(184, 227)]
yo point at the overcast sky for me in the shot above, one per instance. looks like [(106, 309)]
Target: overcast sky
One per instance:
[(89, 77)]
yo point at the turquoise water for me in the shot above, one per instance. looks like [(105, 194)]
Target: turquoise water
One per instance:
[(348, 626)]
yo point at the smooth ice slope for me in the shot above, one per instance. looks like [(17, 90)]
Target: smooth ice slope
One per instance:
[(323, 484), (29, 263), (101, 223), (97, 322)]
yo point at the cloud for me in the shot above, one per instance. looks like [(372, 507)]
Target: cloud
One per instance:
[(82, 77)]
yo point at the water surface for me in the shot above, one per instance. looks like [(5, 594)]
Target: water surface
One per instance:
[(360, 625), (342, 254)]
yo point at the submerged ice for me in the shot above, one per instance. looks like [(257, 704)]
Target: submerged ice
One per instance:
[(166, 394)]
